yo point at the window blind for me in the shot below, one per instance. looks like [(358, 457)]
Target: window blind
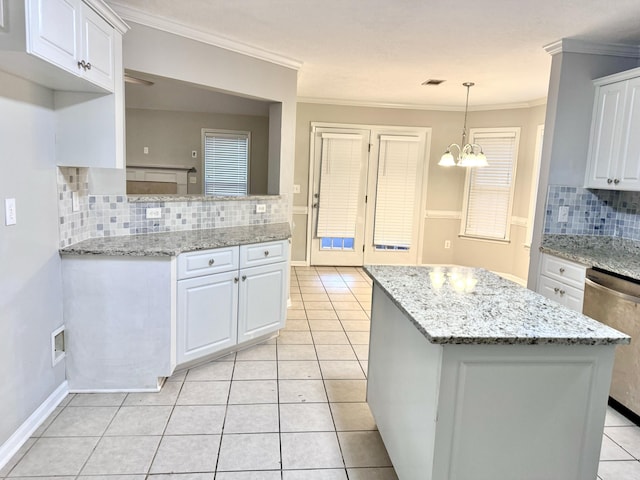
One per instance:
[(490, 189), (340, 167), (396, 190), (226, 162)]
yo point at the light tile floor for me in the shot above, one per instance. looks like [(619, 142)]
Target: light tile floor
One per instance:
[(290, 409)]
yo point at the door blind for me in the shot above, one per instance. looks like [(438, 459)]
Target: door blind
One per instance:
[(396, 191), (490, 188), (226, 162), (339, 185)]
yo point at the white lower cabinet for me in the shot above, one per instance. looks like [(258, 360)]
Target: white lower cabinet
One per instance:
[(223, 303), (262, 300), (207, 315), (562, 280)]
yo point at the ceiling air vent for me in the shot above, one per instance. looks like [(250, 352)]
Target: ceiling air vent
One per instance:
[(432, 81)]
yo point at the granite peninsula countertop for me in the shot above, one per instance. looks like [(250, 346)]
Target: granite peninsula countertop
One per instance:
[(174, 243), (613, 254), (462, 305)]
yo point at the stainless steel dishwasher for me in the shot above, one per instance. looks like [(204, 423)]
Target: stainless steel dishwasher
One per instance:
[(614, 301)]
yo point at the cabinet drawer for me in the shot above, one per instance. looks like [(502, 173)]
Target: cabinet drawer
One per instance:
[(567, 272), (206, 262), (264, 253), (568, 296)]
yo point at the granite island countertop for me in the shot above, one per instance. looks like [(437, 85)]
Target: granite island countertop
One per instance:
[(462, 305), (613, 254), (174, 243)]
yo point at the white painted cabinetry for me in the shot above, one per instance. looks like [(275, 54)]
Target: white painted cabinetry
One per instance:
[(562, 281), (75, 48), (230, 296), (614, 147)]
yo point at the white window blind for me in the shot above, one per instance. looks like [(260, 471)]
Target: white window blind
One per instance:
[(226, 162), (339, 184), (396, 190), (490, 189)]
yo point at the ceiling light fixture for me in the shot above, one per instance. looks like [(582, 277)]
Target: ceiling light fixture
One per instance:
[(470, 154)]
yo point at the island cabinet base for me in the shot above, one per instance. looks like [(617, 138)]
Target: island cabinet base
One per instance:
[(476, 412)]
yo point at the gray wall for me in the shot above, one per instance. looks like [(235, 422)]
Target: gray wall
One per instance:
[(567, 129), (171, 136), (30, 282)]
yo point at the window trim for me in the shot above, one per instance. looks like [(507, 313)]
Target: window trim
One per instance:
[(467, 185), (203, 134)]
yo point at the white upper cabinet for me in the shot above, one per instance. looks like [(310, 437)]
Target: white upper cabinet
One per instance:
[(614, 147), (68, 45)]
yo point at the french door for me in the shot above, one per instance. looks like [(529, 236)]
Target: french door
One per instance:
[(367, 194)]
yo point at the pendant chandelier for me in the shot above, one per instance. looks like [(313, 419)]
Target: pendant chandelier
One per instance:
[(469, 154)]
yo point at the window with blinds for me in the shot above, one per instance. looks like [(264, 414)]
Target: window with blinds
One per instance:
[(396, 192), (226, 162), (489, 190), (340, 167)]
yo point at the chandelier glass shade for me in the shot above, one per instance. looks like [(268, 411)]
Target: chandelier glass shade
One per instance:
[(467, 155)]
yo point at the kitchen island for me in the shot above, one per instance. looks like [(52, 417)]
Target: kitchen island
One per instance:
[(472, 376)]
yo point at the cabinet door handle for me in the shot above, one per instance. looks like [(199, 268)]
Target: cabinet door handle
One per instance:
[(82, 64), (244, 277), (211, 261), (562, 292), (561, 270), (616, 181), (88, 66), (235, 280), (266, 253), (609, 180), (556, 289)]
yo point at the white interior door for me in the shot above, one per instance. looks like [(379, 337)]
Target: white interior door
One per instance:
[(368, 194), (338, 210)]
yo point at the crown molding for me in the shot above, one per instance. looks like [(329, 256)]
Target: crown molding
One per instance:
[(416, 106), (574, 45), (106, 12), (170, 26)]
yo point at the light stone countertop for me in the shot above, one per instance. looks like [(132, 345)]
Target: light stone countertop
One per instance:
[(613, 254), (174, 243), (462, 305), (196, 198)]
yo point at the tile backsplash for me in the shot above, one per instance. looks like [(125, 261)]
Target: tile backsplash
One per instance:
[(593, 212), (114, 215)]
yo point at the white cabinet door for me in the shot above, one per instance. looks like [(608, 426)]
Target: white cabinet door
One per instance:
[(629, 168), (605, 139), (97, 49), (53, 32), (207, 315), (568, 296), (263, 300)]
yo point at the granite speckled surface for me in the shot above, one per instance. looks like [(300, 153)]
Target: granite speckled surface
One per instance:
[(195, 198), (614, 254), (174, 243), (461, 305)]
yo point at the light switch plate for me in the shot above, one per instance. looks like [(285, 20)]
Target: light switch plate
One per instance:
[(563, 214), (261, 208), (75, 201), (296, 189), (10, 211)]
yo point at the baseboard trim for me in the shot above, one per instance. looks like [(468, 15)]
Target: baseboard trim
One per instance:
[(299, 263), (24, 431)]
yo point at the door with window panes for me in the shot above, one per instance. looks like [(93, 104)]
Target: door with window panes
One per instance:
[(367, 194)]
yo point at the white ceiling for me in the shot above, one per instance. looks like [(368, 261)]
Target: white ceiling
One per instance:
[(379, 51)]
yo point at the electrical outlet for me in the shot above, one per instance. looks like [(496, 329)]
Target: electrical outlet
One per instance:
[(194, 154), (447, 244), (563, 214), (10, 211), (296, 189), (145, 150), (261, 208), (193, 179), (154, 212)]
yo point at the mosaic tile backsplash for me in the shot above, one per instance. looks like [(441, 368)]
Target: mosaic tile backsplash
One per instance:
[(113, 215), (593, 212)]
